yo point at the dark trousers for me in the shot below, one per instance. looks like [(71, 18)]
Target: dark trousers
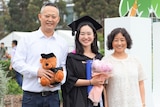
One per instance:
[(19, 78), (39, 100)]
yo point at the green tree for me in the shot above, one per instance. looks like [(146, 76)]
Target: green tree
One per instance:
[(18, 15), (113, 10), (63, 12), (98, 9), (3, 15), (1, 26), (80, 7), (33, 11), (23, 15)]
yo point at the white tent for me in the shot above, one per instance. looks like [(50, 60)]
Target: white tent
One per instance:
[(66, 34)]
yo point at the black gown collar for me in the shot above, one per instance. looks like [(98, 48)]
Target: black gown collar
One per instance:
[(82, 57)]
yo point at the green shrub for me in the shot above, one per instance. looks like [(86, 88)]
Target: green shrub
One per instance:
[(13, 87), (5, 64), (5, 67), (3, 83)]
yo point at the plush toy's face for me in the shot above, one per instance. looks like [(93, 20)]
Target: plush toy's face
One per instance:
[(48, 63)]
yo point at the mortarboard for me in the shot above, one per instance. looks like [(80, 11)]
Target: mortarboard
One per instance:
[(74, 25), (46, 56)]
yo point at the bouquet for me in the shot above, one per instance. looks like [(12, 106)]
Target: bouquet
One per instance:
[(102, 70)]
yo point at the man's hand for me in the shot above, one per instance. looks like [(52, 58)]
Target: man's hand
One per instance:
[(10, 67), (46, 73)]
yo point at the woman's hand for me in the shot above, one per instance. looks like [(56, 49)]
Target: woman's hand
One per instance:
[(97, 81)]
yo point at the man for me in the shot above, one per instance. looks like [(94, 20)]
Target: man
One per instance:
[(2, 52), (19, 77), (27, 60)]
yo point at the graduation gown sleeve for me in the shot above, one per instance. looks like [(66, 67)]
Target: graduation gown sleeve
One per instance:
[(71, 79)]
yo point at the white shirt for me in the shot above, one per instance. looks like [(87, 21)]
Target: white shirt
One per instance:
[(123, 86), (13, 52), (28, 54)]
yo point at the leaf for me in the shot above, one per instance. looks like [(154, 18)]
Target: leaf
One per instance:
[(156, 7), (125, 6), (144, 8)]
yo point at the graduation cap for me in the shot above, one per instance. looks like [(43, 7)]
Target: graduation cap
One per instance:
[(74, 25), (46, 56)]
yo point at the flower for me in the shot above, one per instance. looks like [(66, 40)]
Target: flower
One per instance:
[(101, 66), (102, 70)]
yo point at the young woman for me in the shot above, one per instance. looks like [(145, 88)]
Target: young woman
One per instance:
[(74, 91)]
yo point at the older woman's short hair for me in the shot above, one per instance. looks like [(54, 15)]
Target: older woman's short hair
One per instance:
[(112, 35)]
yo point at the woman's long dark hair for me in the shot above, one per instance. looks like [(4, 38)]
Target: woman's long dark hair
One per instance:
[(79, 47)]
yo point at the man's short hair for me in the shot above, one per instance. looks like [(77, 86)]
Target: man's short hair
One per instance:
[(49, 4), (15, 42)]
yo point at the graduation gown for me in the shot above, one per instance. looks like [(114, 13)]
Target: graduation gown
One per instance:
[(74, 96)]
